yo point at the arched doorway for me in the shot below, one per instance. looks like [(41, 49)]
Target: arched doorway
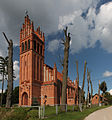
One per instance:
[(25, 99)]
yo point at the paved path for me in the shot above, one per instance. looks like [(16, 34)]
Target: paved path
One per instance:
[(103, 114)]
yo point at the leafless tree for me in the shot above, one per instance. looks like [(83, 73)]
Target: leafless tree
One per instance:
[(66, 43), (10, 72)]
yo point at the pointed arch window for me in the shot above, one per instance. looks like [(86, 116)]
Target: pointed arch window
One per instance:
[(34, 45), (22, 47), (34, 66), (38, 47), (41, 49), (25, 45), (28, 44), (37, 68), (41, 69)]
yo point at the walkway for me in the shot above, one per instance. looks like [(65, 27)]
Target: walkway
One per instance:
[(103, 114)]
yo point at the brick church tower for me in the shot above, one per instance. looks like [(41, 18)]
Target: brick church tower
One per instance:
[(31, 63)]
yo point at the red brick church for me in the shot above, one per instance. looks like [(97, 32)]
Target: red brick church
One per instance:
[(39, 83)]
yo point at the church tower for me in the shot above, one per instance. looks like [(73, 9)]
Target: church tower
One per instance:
[(31, 63)]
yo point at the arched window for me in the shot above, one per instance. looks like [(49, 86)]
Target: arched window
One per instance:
[(38, 47), (22, 47), (37, 68), (41, 49), (28, 44), (34, 45), (41, 70), (34, 66), (25, 45)]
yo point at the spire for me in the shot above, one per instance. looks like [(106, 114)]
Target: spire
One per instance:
[(26, 12), (55, 65)]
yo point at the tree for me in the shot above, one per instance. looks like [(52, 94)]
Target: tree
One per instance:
[(78, 92), (15, 99), (3, 72), (82, 92), (88, 80), (99, 92), (103, 88), (10, 72), (108, 96), (66, 43), (15, 95), (91, 91)]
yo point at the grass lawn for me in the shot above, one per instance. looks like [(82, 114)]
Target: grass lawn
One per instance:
[(32, 114), (75, 115)]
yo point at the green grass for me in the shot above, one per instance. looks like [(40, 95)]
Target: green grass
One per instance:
[(75, 115), (50, 113)]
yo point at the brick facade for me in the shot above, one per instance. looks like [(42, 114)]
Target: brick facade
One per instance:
[(39, 83), (95, 99)]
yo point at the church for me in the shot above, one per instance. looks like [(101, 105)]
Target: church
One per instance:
[(39, 83)]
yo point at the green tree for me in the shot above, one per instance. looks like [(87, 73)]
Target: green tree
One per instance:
[(15, 97), (103, 88), (108, 96), (3, 72)]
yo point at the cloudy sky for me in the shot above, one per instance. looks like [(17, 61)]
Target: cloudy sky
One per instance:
[(88, 21)]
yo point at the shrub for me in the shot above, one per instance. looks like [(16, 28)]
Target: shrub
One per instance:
[(32, 114)]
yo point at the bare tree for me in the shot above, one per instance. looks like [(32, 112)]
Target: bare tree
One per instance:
[(99, 92), (66, 43), (10, 72), (77, 72), (78, 92), (91, 90), (88, 80), (82, 91)]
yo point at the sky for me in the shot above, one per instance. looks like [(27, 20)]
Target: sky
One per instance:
[(89, 23)]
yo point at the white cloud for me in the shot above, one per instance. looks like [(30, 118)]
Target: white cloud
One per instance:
[(43, 12), (50, 19), (104, 26), (16, 69), (110, 91), (53, 45), (107, 74), (86, 32)]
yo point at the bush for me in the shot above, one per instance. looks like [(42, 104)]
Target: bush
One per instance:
[(18, 114), (33, 114)]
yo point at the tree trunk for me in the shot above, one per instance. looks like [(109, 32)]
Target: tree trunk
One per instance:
[(65, 71), (99, 92), (82, 92), (10, 75), (88, 78), (91, 91)]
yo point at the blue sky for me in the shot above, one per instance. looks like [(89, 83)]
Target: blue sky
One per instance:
[(88, 21)]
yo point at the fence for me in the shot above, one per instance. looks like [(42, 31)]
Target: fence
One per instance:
[(46, 111), (41, 110)]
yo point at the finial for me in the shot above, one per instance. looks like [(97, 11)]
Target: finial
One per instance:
[(26, 12), (54, 65)]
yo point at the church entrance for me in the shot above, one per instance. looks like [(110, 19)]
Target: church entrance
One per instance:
[(25, 99)]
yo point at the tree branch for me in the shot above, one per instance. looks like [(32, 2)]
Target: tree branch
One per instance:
[(6, 38)]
